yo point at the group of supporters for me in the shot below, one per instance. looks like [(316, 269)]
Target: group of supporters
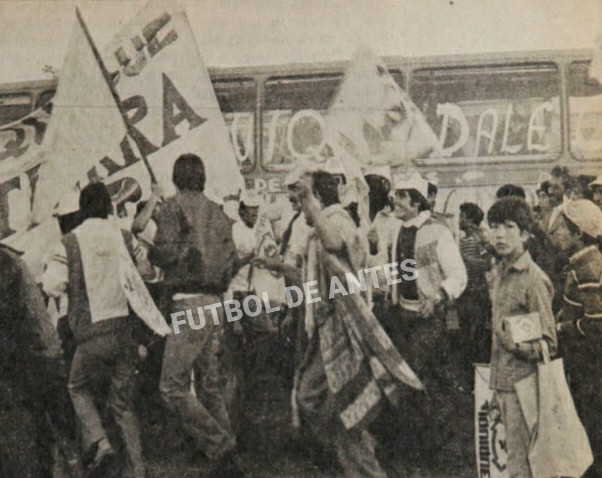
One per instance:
[(394, 353)]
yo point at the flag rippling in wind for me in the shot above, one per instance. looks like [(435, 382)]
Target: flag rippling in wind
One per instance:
[(86, 125), (373, 122)]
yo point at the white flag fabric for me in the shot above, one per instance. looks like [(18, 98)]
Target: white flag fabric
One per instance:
[(85, 126), (374, 120), (164, 86)]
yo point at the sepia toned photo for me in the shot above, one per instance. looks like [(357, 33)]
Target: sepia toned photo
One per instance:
[(300, 239)]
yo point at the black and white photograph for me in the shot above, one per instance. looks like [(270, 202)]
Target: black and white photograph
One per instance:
[(300, 239)]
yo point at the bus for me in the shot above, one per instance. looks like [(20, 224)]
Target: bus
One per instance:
[(500, 117)]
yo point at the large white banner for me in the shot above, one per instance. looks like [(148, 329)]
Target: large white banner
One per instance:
[(165, 89), (86, 125)]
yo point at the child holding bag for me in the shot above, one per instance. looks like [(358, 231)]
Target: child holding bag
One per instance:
[(520, 290)]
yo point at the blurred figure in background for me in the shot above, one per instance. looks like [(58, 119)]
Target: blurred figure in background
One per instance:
[(474, 305), (543, 208)]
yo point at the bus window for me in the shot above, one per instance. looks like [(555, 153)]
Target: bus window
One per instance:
[(585, 113), (45, 97), (293, 118), (491, 111), (398, 77), (14, 107), (238, 99)]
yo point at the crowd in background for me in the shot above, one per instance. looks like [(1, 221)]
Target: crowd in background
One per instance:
[(394, 353)]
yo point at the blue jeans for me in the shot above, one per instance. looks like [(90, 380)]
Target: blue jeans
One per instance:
[(114, 355), (203, 417)]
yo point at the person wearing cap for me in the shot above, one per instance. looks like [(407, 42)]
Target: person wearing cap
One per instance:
[(421, 304), (580, 319), (86, 265), (596, 187)]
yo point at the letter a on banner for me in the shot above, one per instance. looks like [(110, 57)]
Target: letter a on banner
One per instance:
[(163, 82)]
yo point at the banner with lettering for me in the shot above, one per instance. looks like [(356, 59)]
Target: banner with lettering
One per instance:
[(490, 438), (86, 125), (164, 86), (20, 146)]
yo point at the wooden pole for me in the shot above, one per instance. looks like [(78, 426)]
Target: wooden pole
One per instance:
[(105, 73)]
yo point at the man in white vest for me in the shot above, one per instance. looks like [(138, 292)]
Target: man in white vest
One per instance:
[(86, 265), (420, 302)]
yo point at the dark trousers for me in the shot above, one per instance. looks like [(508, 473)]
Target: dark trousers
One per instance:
[(474, 341), (114, 356), (424, 343), (583, 359)]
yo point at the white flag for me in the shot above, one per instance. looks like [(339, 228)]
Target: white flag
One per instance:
[(374, 120), (164, 86), (85, 125)]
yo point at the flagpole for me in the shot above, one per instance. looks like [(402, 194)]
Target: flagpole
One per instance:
[(107, 77)]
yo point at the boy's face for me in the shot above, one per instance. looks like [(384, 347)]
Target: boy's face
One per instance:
[(508, 239)]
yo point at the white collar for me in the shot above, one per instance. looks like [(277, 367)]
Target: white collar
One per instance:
[(419, 220)]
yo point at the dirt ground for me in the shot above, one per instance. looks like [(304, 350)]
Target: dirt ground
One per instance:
[(268, 449)]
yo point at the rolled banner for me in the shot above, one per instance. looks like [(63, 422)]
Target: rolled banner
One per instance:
[(138, 296)]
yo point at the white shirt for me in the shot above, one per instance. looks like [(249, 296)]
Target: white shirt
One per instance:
[(246, 244)]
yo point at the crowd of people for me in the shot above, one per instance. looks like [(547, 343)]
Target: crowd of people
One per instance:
[(394, 353)]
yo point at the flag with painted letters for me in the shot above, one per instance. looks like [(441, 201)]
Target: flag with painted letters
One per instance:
[(85, 125)]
